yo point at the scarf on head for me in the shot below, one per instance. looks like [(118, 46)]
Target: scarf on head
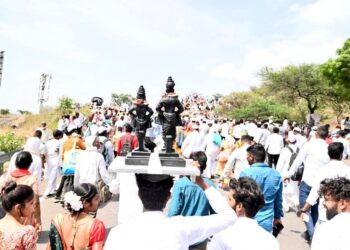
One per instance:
[(20, 172)]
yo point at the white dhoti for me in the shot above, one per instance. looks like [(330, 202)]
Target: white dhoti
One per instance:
[(51, 174), (290, 195)]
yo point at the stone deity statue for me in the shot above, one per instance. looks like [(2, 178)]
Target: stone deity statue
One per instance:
[(169, 109), (141, 117)]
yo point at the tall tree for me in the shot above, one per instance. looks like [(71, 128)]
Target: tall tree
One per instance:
[(293, 83), (337, 71)]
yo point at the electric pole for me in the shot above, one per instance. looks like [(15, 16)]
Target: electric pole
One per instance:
[(44, 88)]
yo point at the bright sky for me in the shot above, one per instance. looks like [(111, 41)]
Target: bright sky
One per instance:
[(95, 48)]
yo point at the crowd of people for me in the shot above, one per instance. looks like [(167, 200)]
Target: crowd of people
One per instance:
[(266, 169)]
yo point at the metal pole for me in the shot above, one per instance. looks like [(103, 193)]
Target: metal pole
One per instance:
[(1, 64)]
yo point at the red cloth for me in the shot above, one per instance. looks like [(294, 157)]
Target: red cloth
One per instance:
[(20, 172), (127, 137), (97, 234)]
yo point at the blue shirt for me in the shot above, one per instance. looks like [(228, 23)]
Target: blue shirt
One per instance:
[(188, 199), (270, 183)]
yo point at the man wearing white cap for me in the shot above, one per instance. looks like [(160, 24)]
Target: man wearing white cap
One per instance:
[(300, 139), (45, 133), (192, 142), (106, 148), (290, 188)]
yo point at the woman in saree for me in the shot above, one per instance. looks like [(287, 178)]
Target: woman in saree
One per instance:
[(78, 229)]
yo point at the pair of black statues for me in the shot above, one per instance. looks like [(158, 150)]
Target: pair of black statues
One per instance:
[(169, 109)]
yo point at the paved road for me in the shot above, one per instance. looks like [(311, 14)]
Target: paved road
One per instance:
[(289, 239)]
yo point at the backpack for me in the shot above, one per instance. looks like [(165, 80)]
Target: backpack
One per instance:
[(126, 148), (293, 156), (103, 149), (70, 160), (298, 175)]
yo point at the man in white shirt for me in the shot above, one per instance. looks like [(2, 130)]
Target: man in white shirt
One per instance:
[(340, 137), (44, 132), (335, 168), (260, 135), (300, 139), (106, 145), (224, 129), (246, 198), (334, 234), (314, 155), (53, 161), (238, 130), (251, 127), (91, 166), (273, 146), (193, 142), (237, 160), (290, 188), (154, 230)]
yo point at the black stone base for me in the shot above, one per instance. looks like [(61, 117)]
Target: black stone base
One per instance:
[(171, 160), (135, 158), (169, 155), (141, 153)]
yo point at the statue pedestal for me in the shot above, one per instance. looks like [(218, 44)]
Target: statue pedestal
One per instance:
[(172, 159), (137, 158), (154, 167)]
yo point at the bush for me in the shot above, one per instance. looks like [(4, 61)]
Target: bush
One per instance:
[(4, 111), (9, 143), (24, 112)]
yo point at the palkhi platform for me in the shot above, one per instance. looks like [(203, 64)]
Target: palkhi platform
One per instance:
[(154, 167)]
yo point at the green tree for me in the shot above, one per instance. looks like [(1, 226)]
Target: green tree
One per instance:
[(260, 108), (65, 105), (233, 101), (337, 71), (294, 83), (119, 99)]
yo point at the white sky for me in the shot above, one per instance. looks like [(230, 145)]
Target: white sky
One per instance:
[(95, 48)]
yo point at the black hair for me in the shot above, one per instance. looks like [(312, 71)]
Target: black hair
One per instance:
[(338, 188), (120, 129), (248, 193), (104, 133), (335, 150), (322, 132), (246, 138), (13, 194), (258, 151), (201, 157), (87, 192), (38, 133), (341, 133), (128, 127), (70, 132), (153, 195), (57, 134), (275, 130), (23, 160)]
